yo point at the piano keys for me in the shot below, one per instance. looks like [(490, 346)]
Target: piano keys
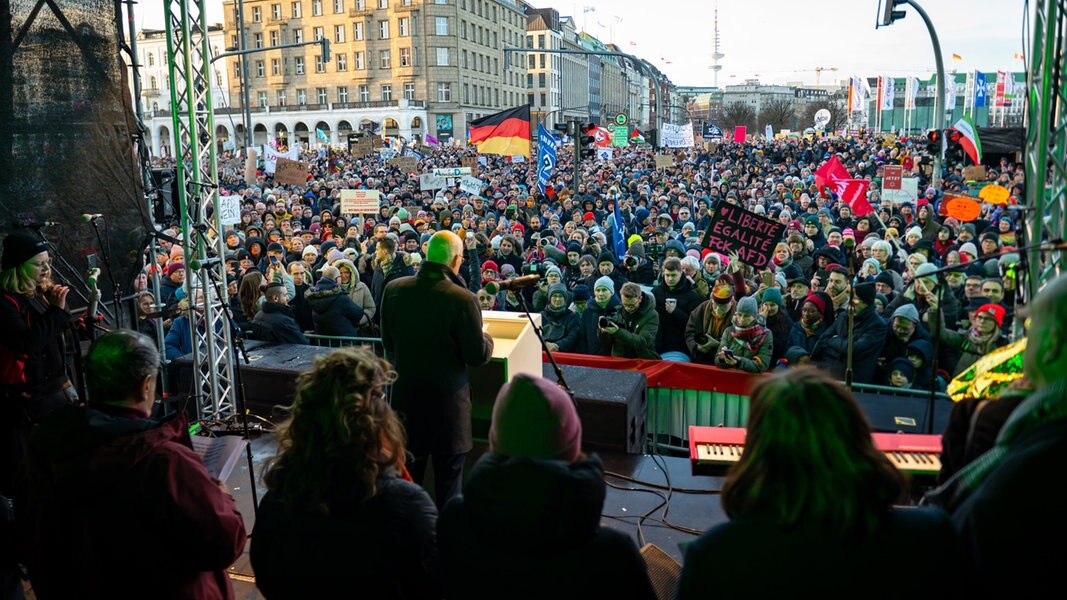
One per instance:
[(712, 449)]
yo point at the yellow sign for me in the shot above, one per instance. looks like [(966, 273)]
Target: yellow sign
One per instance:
[(994, 194)]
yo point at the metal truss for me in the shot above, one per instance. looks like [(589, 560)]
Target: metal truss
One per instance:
[(188, 58), (1046, 140)]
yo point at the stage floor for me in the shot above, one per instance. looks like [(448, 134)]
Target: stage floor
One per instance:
[(622, 507)]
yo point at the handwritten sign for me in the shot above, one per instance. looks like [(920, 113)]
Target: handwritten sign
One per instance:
[(470, 162), (974, 173), (891, 177), (363, 146), (407, 164), (429, 181), (664, 160), (360, 202), (961, 208), (472, 185), (290, 172), (994, 194), (229, 210), (452, 172), (752, 237)]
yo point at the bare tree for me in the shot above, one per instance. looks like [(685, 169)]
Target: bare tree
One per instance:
[(838, 114), (739, 113), (779, 114)]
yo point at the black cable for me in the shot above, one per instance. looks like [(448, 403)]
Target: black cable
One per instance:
[(641, 520), (661, 486)]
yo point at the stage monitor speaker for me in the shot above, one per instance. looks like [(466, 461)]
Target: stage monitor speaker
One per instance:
[(663, 571), (166, 207)]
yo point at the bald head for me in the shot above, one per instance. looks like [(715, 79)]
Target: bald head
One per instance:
[(445, 248), (1045, 360)]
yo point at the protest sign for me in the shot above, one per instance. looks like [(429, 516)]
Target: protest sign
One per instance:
[(961, 208), (407, 164), (362, 147), (429, 181), (229, 210), (664, 161), (360, 202), (677, 136), (974, 173), (471, 162), (472, 185), (291, 172), (994, 194), (452, 172), (250, 166), (908, 192), (891, 176), (740, 132), (752, 237)]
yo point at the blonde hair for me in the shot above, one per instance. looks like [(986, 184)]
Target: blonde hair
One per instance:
[(20, 279)]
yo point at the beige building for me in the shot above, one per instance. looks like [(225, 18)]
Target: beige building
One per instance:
[(400, 67)]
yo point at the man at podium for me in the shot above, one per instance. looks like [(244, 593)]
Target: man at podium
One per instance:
[(431, 357)]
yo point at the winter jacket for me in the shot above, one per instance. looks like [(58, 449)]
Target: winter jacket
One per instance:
[(531, 528), (869, 332), (671, 336), (704, 322), (357, 290), (122, 507), (588, 342), (755, 360), (800, 338), (398, 268), (275, 323), (636, 337), (332, 309), (561, 327), (303, 553)]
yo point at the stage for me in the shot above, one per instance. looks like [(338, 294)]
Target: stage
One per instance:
[(622, 508)]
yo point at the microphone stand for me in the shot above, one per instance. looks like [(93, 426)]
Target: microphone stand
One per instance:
[(851, 250), (555, 367), (54, 252), (105, 250)]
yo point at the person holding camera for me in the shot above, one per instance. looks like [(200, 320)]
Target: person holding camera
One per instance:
[(638, 267), (746, 344), (632, 332), (605, 304), (605, 265)]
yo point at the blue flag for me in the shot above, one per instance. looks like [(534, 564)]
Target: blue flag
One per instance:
[(618, 233), (546, 156), (979, 89)]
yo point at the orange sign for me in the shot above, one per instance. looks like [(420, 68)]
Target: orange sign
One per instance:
[(961, 208), (994, 194)]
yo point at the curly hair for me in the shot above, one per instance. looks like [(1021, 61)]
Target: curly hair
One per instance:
[(249, 293), (341, 430), (809, 458)]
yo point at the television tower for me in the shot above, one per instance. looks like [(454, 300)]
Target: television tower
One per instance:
[(716, 56)]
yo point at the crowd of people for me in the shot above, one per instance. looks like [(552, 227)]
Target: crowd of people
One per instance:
[(622, 272)]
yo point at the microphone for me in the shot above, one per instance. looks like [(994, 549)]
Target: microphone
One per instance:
[(494, 287), (196, 264), (90, 217)]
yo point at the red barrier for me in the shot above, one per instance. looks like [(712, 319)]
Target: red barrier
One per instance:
[(668, 374)]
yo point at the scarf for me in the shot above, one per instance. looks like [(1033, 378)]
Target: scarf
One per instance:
[(752, 336), (812, 330)]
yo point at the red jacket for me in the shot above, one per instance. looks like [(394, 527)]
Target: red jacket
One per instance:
[(121, 507)]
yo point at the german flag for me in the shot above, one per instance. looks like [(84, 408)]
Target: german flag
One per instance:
[(506, 133)]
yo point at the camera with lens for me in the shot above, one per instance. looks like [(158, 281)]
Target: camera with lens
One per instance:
[(535, 269), (630, 262), (544, 242), (653, 250)]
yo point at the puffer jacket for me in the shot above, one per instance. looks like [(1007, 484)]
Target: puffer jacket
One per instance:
[(332, 309), (358, 291)]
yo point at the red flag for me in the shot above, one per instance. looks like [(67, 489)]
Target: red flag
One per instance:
[(853, 192), (829, 172)]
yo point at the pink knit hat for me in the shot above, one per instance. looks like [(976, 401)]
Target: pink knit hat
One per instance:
[(535, 418)]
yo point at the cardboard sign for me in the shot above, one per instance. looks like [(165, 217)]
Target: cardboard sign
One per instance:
[(472, 185), (363, 147), (407, 164), (360, 202), (974, 173), (961, 208), (752, 237), (994, 194), (291, 172), (470, 162), (452, 172), (250, 166), (429, 181), (891, 176), (229, 209), (664, 160)]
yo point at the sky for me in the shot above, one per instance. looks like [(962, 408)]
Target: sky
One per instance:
[(779, 41)]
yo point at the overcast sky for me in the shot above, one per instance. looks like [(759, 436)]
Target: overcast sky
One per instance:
[(784, 40)]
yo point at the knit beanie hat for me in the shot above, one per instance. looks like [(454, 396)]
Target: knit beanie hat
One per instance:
[(490, 265), (557, 288), (885, 277), (172, 267), (903, 365), (309, 249), (334, 255), (866, 292), (907, 311), (606, 256), (747, 306), (20, 247), (605, 282), (772, 295), (969, 248), (581, 293), (534, 418), (555, 270)]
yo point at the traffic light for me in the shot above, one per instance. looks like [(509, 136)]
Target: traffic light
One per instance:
[(561, 128), (954, 150), (933, 142), (587, 140), (889, 15), (325, 50)]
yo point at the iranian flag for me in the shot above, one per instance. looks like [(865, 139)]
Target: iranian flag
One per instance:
[(969, 139)]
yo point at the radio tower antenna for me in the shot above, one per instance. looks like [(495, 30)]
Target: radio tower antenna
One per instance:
[(716, 56)]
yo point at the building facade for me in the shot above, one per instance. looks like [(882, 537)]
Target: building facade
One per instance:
[(397, 67)]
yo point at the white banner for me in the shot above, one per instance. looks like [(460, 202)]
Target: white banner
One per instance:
[(472, 185), (908, 192), (677, 136), (229, 210), (271, 155), (603, 153), (429, 181)]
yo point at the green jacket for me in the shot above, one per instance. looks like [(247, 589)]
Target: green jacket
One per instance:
[(753, 362), (636, 337)]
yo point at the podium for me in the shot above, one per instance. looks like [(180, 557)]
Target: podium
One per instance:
[(516, 349)]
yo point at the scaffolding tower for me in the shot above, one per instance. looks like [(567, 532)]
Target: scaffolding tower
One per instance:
[(188, 59)]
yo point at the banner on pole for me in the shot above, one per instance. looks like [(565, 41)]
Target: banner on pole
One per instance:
[(677, 136), (752, 237)]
